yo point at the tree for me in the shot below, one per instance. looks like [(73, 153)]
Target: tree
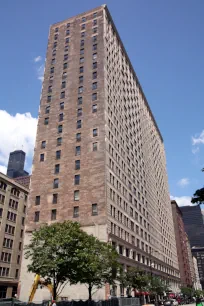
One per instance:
[(53, 253), (157, 286), (198, 197), (136, 279), (98, 264), (187, 291)]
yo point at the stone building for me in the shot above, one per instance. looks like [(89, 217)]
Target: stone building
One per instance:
[(13, 202), (99, 155)]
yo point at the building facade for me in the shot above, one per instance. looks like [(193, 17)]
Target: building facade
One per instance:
[(16, 164), (198, 253), (13, 203), (183, 246), (197, 284), (99, 154)]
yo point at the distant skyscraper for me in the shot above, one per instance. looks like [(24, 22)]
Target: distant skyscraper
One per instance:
[(16, 164)]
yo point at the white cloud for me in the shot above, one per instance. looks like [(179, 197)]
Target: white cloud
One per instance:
[(182, 201), (37, 59), (16, 132), (3, 169), (40, 73), (198, 139), (183, 182)]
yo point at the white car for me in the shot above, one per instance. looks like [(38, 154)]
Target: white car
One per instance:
[(174, 302)]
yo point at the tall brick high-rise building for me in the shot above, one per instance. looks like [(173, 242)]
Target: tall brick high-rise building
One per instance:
[(99, 155)]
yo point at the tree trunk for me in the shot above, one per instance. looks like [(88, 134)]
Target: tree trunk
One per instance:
[(90, 295), (54, 289)]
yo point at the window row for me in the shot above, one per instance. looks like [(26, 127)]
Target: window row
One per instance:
[(4, 271), (47, 109)]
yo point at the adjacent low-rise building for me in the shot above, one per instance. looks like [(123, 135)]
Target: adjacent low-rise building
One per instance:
[(13, 203)]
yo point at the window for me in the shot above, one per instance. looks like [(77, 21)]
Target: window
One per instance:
[(50, 89), (19, 246), (53, 214), (13, 204), (65, 65), (67, 40), (77, 164), (64, 75), (49, 98), (16, 275), (60, 129), (79, 112), (21, 233), (47, 109), (1, 212), (37, 200), (43, 144), (52, 70), (83, 34), (94, 108), (61, 117), (95, 30), (94, 56), (78, 124), (63, 84), (83, 26), (53, 61), (6, 257), (95, 132), (79, 100), (81, 51), (56, 30), (54, 52), (76, 212), (4, 272), (94, 85), (42, 157), (51, 78), (95, 146), (81, 78), (76, 195), (67, 32), (81, 60), (95, 47), (94, 96), (56, 37), (62, 95), (62, 105), (94, 65), (78, 151), (94, 75), (94, 22), (9, 229), (58, 154), (66, 49), (81, 69), (46, 121), (78, 137), (59, 141), (77, 179), (94, 39), (37, 216), (94, 14), (66, 57), (56, 183), (57, 168), (80, 89), (94, 209), (68, 25), (83, 19), (54, 198), (18, 259)]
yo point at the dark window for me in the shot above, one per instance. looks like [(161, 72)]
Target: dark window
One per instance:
[(79, 100), (62, 105), (94, 108), (56, 30), (21, 233), (60, 128), (66, 49), (81, 60), (77, 164), (81, 51), (47, 109), (94, 39), (53, 214), (67, 40), (62, 95), (37, 200), (57, 168), (65, 65), (95, 146), (63, 84), (67, 32), (83, 19), (52, 70), (94, 56), (95, 47), (94, 65), (54, 52), (54, 198), (50, 89), (94, 75), (64, 75), (59, 141), (94, 14), (81, 69), (18, 259), (78, 150), (80, 89), (46, 121), (82, 43), (55, 44), (95, 30), (77, 179), (37, 216), (16, 276), (94, 22), (56, 183), (94, 96), (65, 57), (95, 132), (83, 34), (49, 98), (53, 61), (94, 85), (43, 144), (83, 26), (78, 137), (68, 25), (51, 78), (58, 154), (42, 157), (56, 37), (61, 117), (81, 78), (76, 212), (78, 124), (94, 209), (79, 112)]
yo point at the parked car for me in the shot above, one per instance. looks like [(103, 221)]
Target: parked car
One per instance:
[(171, 302)]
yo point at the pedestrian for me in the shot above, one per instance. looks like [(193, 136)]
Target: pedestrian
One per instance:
[(198, 301), (54, 303)]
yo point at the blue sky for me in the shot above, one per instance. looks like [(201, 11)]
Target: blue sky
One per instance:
[(165, 42)]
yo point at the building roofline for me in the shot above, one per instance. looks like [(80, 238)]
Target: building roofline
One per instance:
[(178, 208), (13, 182)]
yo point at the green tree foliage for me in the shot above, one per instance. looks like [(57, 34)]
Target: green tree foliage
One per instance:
[(187, 291), (198, 197), (136, 279), (157, 286)]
